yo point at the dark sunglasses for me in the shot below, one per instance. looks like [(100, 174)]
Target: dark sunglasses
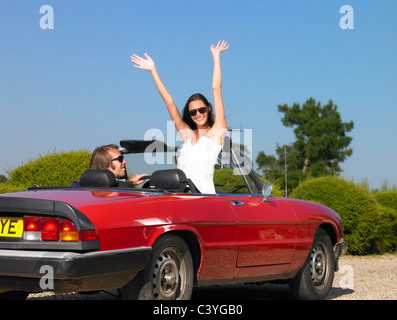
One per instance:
[(202, 110), (119, 158)]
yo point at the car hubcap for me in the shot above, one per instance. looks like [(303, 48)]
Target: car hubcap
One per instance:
[(168, 275), (318, 266)]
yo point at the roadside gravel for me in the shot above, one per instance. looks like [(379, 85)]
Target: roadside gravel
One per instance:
[(371, 278), (359, 278)]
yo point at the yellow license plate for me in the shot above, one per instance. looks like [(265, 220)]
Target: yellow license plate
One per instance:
[(11, 227)]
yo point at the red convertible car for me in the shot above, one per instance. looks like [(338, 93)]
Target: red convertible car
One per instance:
[(162, 240)]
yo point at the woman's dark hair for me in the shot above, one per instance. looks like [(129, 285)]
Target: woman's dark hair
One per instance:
[(185, 114)]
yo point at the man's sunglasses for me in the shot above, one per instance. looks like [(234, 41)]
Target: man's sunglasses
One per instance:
[(119, 158), (202, 110)]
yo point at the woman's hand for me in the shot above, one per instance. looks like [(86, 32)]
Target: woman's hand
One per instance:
[(220, 47), (141, 63), (148, 64)]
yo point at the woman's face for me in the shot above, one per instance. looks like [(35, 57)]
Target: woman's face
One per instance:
[(198, 111)]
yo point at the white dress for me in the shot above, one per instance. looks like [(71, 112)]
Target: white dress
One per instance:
[(198, 162)]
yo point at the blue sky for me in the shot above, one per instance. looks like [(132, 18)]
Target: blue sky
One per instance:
[(74, 87)]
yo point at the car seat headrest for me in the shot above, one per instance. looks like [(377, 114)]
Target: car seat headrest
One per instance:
[(172, 180), (98, 178)]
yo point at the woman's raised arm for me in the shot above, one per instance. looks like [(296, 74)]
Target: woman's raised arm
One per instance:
[(220, 119), (148, 64)]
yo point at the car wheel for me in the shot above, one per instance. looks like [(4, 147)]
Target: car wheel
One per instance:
[(314, 280), (168, 274)]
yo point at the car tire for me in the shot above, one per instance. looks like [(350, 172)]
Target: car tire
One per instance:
[(314, 280), (168, 274)]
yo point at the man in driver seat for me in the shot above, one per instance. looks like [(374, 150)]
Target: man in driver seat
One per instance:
[(109, 157)]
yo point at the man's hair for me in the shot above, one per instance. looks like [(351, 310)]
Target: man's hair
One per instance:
[(101, 159)]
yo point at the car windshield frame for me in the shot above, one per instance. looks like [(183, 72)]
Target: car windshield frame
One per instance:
[(147, 157)]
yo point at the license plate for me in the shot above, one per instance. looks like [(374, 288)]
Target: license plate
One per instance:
[(11, 227)]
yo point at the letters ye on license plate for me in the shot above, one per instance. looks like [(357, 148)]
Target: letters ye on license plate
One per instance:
[(11, 227)]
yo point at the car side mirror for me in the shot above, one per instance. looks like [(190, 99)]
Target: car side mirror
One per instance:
[(266, 191)]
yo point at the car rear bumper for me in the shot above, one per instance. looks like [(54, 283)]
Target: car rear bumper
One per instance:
[(35, 271)]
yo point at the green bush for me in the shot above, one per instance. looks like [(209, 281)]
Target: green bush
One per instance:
[(387, 199), (388, 229), (226, 182), (364, 220), (9, 188), (53, 169)]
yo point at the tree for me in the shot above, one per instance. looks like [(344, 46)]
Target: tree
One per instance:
[(321, 143)]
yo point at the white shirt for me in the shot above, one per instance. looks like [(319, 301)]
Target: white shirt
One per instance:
[(198, 162)]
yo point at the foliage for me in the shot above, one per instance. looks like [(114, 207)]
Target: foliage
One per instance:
[(321, 143), (365, 221), (388, 229), (53, 169), (3, 178), (9, 188), (387, 199), (226, 182), (385, 186)]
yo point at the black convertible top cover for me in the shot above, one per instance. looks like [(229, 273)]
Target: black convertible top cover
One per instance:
[(144, 146)]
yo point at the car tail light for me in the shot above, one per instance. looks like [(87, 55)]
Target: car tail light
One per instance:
[(32, 224), (54, 229), (67, 230), (32, 228), (49, 229), (88, 235)]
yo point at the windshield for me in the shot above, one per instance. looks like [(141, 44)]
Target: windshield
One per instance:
[(232, 173), (138, 163)]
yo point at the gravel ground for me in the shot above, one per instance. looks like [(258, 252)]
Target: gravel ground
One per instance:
[(359, 278), (373, 278)]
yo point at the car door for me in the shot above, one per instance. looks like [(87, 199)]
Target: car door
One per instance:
[(265, 229)]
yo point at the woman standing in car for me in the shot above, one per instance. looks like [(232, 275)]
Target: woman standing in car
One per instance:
[(201, 133)]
